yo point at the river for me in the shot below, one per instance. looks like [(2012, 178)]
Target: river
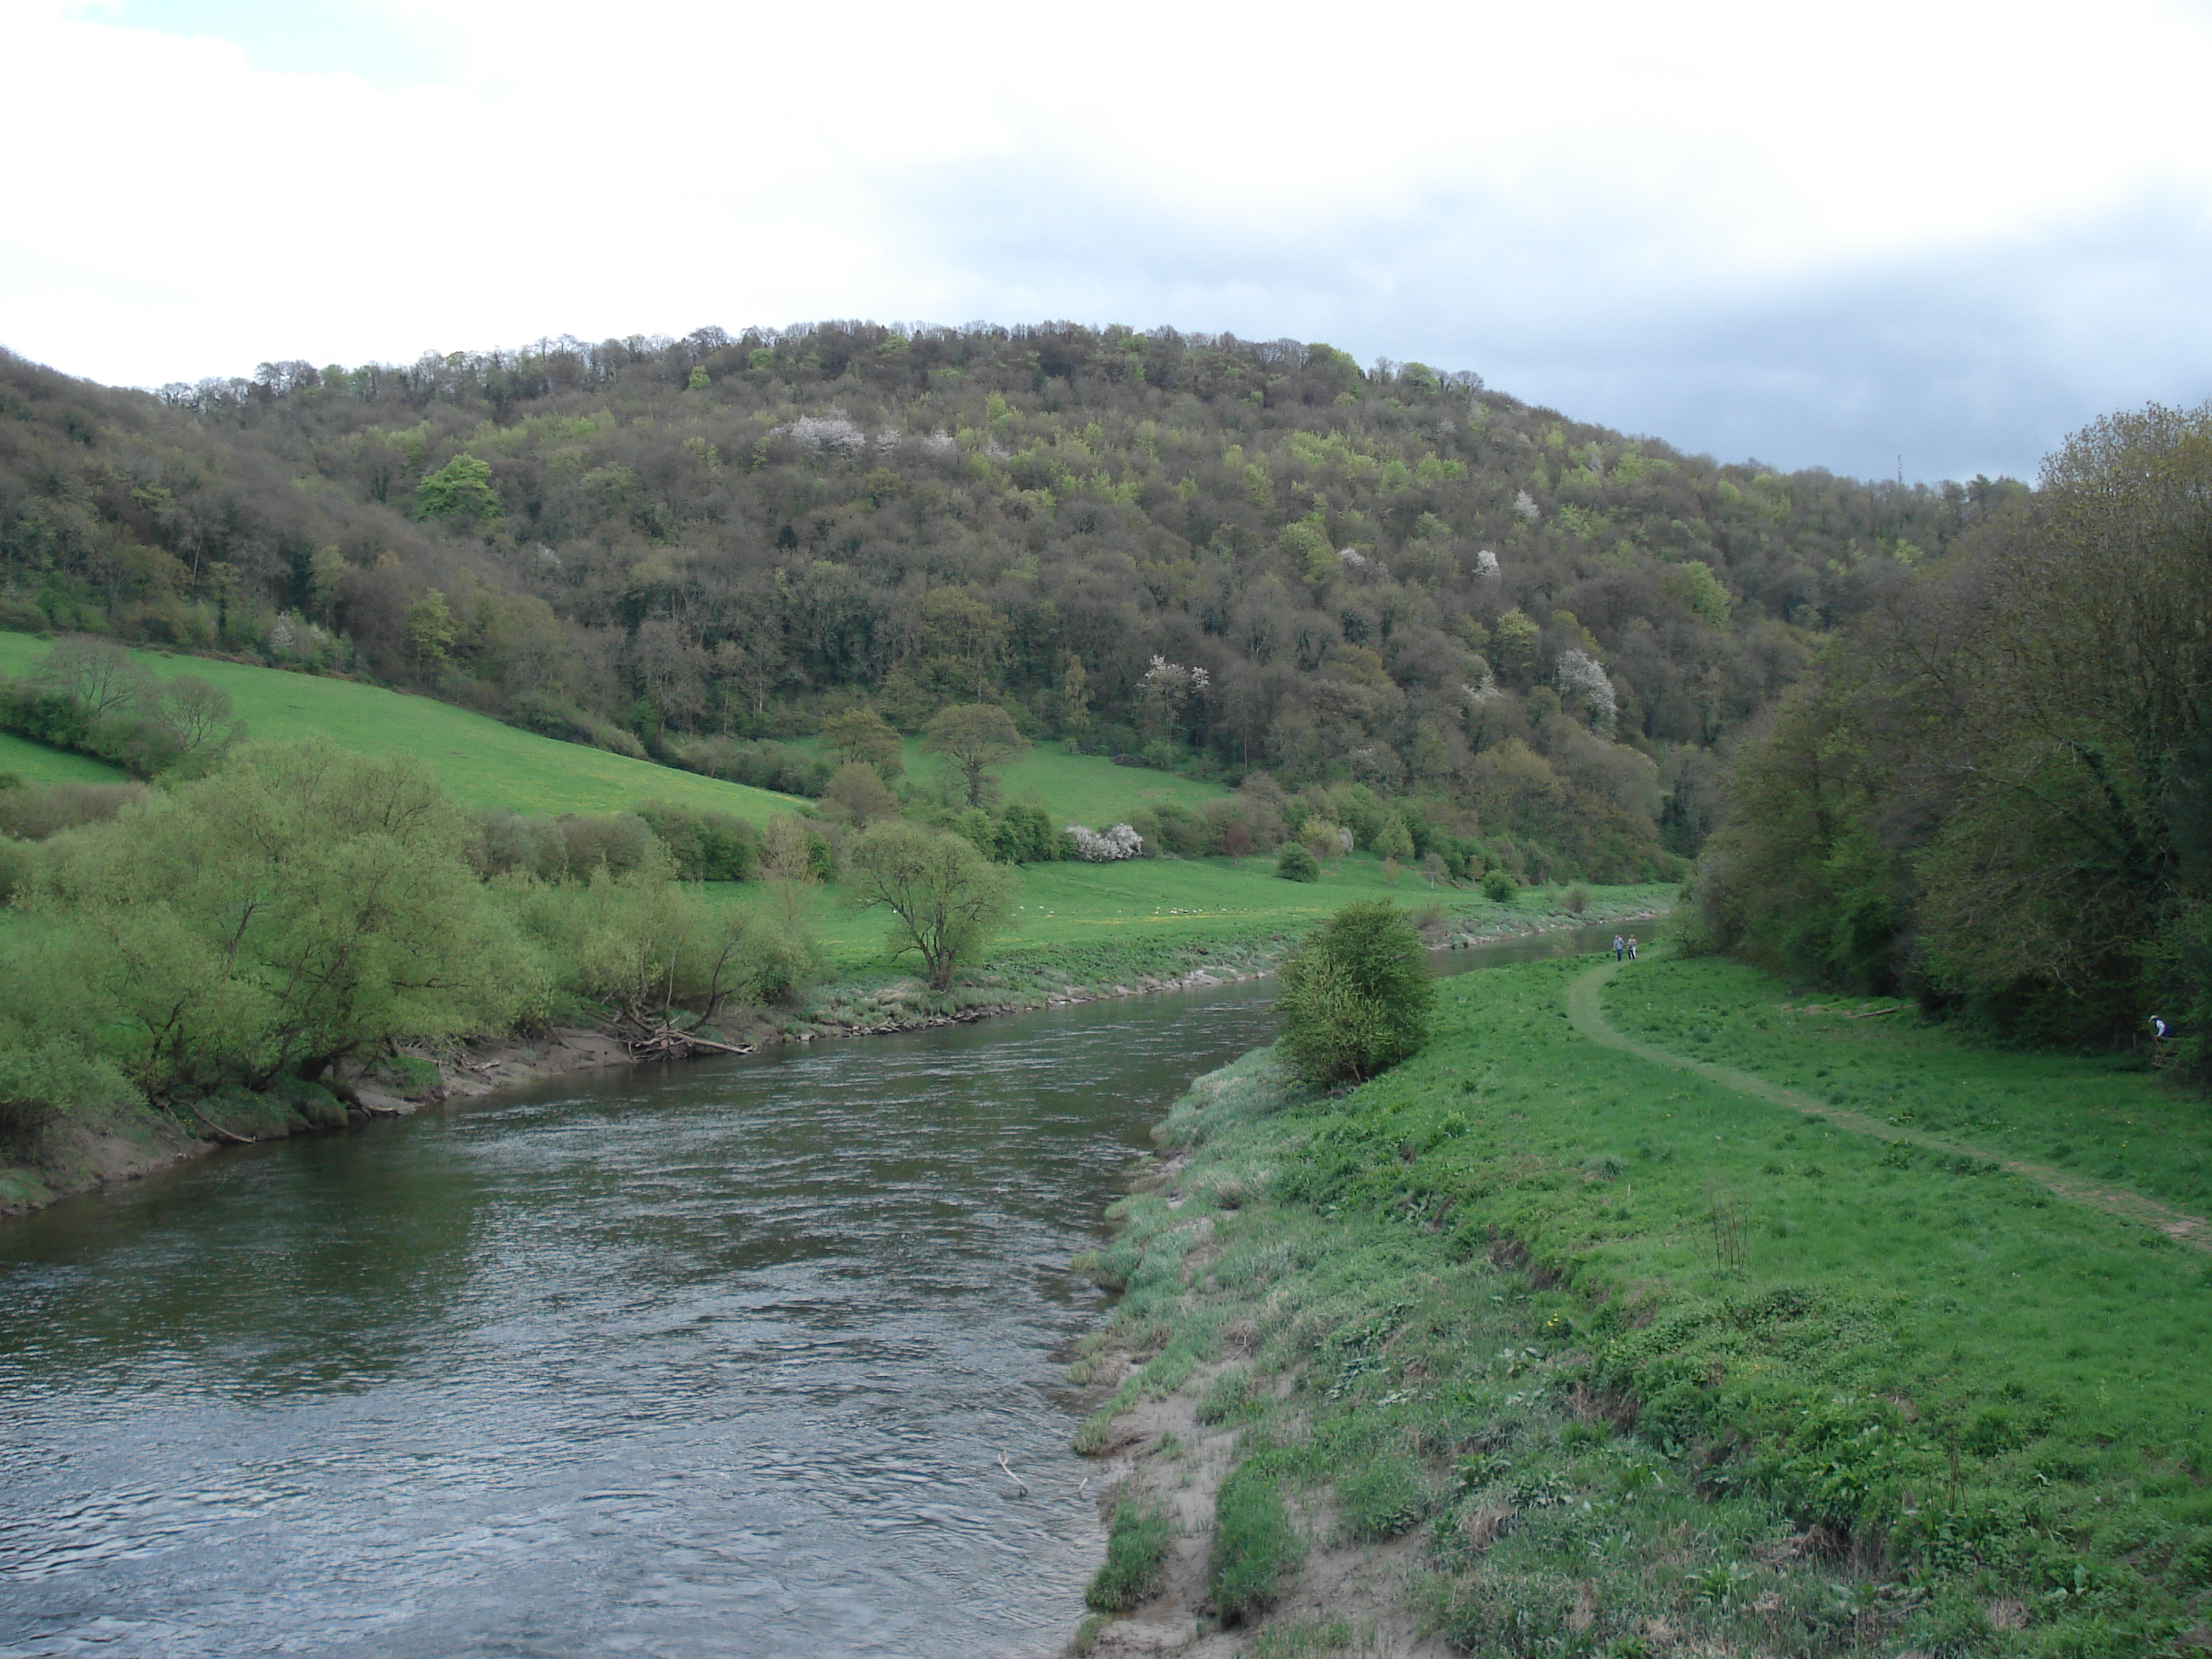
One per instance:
[(719, 1359)]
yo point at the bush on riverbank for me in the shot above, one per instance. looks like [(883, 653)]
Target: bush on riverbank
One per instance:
[(1357, 995), (302, 909)]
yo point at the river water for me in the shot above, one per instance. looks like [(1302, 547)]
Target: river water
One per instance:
[(719, 1359)]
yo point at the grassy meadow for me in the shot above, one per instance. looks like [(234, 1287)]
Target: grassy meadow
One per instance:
[(2094, 1118), (1180, 902), (1086, 789), (478, 761), (38, 765), (1639, 1361)]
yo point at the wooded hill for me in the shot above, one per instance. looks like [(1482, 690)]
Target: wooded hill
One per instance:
[(1212, 554)]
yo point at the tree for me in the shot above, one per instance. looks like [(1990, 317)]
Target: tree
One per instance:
[(971, 738), (1074, 699), (643, 942), (963, 639), (858, 733), (788, 861), (1169, 688), (461, 489), (1356, 996), (104, 681), (944, 896), (197, 716), (857, 796), (670, 668), (1298, 863), (431, 629)]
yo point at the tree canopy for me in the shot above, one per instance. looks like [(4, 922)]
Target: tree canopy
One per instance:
[(1997, 791)]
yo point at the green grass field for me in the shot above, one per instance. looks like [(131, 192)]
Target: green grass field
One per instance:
[(480, 761), (1636, 1346), (36, 764), (1086, 789), (2094, 1118), (1176, 903)]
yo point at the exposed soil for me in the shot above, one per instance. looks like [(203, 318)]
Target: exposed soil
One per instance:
[(82, 1153)]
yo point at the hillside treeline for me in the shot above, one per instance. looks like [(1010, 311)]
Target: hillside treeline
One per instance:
[(1205, 552), (1995, 789)]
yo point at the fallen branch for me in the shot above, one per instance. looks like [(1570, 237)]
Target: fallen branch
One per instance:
[(234, 1139), (669, 1043)]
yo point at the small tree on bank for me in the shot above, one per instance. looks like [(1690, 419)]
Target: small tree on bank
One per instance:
[(972, 738), (1356, 996), (944, 896)]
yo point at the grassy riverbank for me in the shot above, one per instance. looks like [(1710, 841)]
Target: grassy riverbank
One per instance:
[(1543, 1344)]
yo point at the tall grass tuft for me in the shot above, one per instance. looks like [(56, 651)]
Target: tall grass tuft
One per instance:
[(1255, 1548), (1136, 1555)]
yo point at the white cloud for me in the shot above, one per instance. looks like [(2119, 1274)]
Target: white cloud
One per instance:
[(1570, 197)]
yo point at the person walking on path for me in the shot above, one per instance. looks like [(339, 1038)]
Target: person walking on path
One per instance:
[(1631, 947), (1618, 947)]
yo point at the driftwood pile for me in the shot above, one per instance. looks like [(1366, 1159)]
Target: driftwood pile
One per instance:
[(647, 1039)]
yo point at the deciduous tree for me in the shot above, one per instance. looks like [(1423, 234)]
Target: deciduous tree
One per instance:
[(972, 739), (945, 898)]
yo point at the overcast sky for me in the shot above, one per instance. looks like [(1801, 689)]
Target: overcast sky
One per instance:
[(1932, 234)]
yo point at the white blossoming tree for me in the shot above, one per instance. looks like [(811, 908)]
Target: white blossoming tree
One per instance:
[(1119, 842), (1584, 682), (1168, 689)]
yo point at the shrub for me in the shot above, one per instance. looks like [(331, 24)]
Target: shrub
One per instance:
[(1184, 833), (42, 1080), (856, 794), (1025, 836), (705, 846), (762, 765), (1578, 899), (1254, 1546), (1136, 1554), (550, 716), (1357, 995), (1298, 863), (35, 814), (776, 964), (1500, 884), (16, 864)]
